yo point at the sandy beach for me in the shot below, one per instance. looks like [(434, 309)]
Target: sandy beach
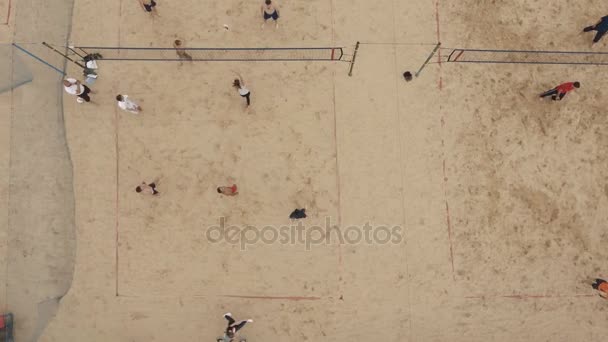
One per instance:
[(499, 198)]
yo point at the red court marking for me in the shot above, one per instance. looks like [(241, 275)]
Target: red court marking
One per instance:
[(340, 264), (449, 222), (531, 296), (447, 214), (294, 298), (437, 20), (458, 56), (448, 218), (440, 83)]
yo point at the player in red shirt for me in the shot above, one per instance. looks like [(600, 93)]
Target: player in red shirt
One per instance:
[(602, 286), (228, 190), (561, 90)]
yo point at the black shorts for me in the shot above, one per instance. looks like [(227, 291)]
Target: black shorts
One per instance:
[(150, 6), (599, 35), (85, 94), (274, 15)]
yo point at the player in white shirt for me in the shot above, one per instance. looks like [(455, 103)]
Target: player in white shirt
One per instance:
[(239, 84), (126, 104), (74, 87)]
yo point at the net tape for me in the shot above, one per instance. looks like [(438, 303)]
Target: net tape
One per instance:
[(216, 54), (528, 57)]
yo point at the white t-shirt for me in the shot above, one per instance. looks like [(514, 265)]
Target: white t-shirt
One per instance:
[(128, 105), (243, 91), (74, 89)]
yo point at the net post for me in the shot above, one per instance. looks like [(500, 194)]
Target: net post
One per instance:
[(428, 59), (62, 54), (352, 62), (71, 48)]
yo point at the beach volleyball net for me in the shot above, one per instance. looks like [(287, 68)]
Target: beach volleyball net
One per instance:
[(209, 54), (525, 57)]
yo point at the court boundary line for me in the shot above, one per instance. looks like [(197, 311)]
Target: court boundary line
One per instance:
[(333, 83), (235, 296), (448, 218), (339, 206), (529, 296)]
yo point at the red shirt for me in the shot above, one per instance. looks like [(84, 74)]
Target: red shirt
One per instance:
[(603, 287), (564, 88)]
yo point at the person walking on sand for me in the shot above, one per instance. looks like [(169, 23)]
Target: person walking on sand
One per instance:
[(147, 189), (228, 190), (602, 286), (233, 326), (149, 6), (239, 84), (74, 87), (181, 52), (560, 91), (601, 27), (270, 10), (127, 105)]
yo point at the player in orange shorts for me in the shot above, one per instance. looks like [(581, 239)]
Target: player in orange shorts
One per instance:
[(602, 286)]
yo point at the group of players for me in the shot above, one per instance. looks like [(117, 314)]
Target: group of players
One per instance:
[(269, 10)]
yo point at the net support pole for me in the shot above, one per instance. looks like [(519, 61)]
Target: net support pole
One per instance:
[(428, 59), (62, 54), (71, 48), (352, 61)]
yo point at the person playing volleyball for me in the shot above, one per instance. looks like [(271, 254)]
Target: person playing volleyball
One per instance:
[(560, 91), (270, 10)]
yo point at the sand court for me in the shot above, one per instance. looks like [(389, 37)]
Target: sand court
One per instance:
[(500, 198), (186, 146)]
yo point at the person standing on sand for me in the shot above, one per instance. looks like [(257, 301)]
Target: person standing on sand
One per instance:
[(239, 84), (560, 91), (601, 27), (127, 105), (74, 87), (147, 188), (407, 76), (228, 190), (149, 6), (270, 10), (181, 52), (233, 326), (602, 286)]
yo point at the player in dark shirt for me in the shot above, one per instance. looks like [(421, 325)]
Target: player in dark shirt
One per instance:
[(601, 27), (234, 326)]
